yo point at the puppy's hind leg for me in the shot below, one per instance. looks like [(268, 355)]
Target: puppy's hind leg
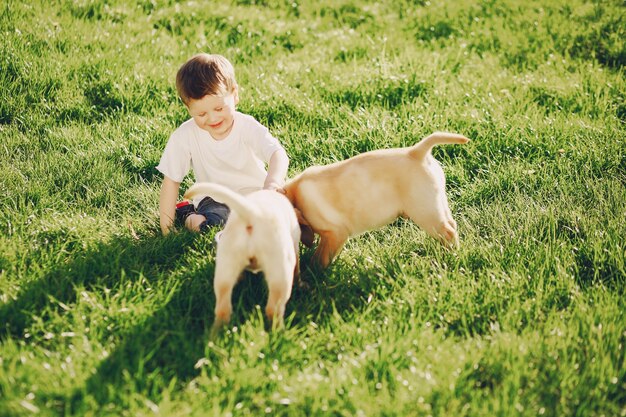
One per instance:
[(226, 276), (447, 234), (439, 225), (451, 233), (279, 283), (448, 229)]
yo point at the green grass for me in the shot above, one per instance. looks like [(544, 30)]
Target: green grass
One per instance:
[(101, 315)]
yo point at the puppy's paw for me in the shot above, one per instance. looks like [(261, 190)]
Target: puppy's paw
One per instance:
[(302, 285), (217, 328), (215, 333)]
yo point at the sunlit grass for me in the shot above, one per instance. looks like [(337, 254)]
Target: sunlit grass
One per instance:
[(101, 315)]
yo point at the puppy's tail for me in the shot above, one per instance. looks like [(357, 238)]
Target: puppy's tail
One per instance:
[(236, 202), (423, 147)]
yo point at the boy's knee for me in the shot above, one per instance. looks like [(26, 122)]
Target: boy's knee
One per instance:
[(194, 222), (214, 213), (212, 220)]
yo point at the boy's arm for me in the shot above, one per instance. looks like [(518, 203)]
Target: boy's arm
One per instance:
[(277, 170), (167, 204)]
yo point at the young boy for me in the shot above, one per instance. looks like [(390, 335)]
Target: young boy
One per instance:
[(219, 143)]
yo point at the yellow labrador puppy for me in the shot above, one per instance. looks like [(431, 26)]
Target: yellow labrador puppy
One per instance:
[(261, 234), (372, 189)]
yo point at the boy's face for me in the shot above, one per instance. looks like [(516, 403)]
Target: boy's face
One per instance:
[(215, 114)]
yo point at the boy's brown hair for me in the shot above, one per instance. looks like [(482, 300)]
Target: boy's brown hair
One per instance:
[(205, 74)]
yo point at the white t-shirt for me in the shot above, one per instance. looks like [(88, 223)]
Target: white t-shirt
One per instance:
[(237, 161)]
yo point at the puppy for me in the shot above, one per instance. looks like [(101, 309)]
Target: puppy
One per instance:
[(372, 189), (261, 234)]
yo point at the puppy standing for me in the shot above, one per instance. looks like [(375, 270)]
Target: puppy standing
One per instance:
[(261, 234), (370, 190)]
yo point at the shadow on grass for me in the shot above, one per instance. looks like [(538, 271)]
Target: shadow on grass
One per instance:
[(99, 267), (341, 289), (160, 350)]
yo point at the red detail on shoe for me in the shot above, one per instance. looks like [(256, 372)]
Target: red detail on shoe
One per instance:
[(182, 204)]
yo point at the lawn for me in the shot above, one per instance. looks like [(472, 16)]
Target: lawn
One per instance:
[(101, 315)]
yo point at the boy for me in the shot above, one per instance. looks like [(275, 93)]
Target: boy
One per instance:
[(219, 143)]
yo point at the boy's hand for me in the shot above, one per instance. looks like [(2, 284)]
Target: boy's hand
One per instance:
[(274, 186), (277, 171)]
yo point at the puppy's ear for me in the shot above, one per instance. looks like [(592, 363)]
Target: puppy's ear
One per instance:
[(307, 236)]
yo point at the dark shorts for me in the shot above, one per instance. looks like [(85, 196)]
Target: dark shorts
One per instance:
[(215, 213)]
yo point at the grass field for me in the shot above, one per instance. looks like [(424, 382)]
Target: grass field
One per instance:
[(101, 315)]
